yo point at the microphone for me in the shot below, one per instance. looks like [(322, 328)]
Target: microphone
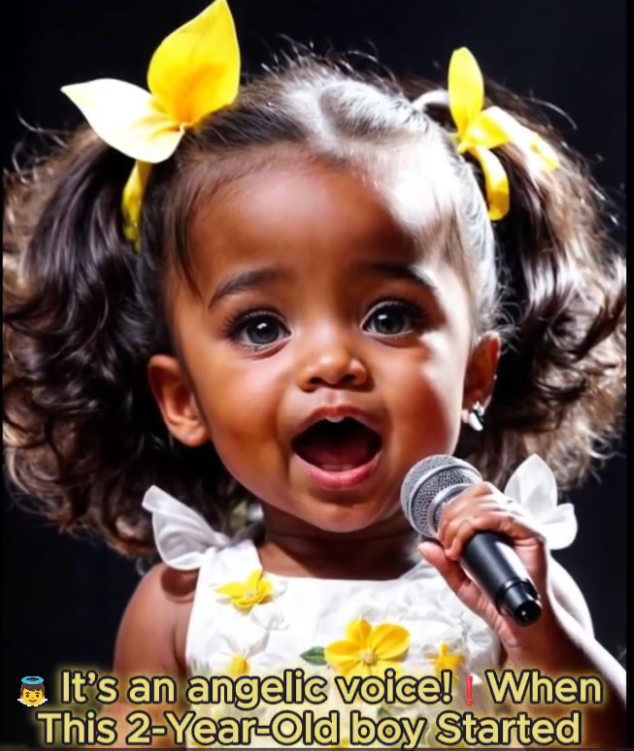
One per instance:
[(488, 557)]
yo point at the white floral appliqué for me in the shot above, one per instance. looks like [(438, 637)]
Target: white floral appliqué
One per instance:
[(534, 487), (243, 652)]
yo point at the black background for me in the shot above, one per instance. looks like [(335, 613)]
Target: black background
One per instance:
[(63, 598)]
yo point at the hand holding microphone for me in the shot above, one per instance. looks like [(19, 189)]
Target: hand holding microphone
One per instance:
[(489, 554)]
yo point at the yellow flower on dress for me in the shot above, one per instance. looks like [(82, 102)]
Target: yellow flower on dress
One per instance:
[(238, 666), (244, 595), (368, 650), (445, 660)]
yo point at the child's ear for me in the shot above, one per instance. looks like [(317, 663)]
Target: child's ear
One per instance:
[(176, 400), (481, 371)]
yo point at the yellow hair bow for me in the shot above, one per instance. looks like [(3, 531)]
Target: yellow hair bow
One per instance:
[(194, 71), (480, 130)]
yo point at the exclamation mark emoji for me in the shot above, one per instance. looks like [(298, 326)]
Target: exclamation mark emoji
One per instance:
[(469, 690)]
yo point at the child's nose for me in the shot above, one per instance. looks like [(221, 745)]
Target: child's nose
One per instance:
[(328, 358)]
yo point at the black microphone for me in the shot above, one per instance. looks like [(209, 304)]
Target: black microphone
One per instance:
[(488, 558)]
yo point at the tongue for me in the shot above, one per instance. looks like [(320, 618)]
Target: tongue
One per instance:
[(337, 446)]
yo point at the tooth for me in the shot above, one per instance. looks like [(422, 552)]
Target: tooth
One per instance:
[(337, 467), (335, 419)]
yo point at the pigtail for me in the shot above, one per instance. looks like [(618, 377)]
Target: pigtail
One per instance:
[(73, 375), (561, 379)]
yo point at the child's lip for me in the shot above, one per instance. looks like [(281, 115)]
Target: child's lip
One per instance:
[(338, 411), (345, 480)]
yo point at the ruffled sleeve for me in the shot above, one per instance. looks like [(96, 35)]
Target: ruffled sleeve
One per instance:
[(181, 535), (534, 487)]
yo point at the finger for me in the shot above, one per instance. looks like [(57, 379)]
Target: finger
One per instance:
[(448, 532), (452, 573), (507, 524), (469, 500)]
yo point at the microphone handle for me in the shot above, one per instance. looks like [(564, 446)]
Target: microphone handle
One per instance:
[(490, 560)]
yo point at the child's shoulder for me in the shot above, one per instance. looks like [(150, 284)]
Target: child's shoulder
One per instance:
[(152, 634)]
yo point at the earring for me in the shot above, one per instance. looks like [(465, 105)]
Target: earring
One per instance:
[(474, 417)]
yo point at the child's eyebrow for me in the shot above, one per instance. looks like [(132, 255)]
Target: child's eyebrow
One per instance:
[(243, 281), (402, 271)]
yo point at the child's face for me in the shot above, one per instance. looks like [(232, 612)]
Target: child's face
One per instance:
[(345, 311), (32, 696)]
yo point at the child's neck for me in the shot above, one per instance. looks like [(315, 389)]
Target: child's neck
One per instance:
[(293, 548)]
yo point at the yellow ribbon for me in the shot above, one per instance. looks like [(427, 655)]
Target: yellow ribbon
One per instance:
[(480, 130), (194, 71)]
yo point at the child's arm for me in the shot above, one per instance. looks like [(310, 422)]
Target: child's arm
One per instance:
[(574, 616), (570, 596), (561, 643), (151, 641), (570, 648)]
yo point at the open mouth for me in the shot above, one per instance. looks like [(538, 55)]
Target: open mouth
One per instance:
[(338, 446)]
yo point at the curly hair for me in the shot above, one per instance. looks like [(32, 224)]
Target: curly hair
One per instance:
[(83, 312)]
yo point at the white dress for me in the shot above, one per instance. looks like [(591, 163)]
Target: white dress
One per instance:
[(247, 622)]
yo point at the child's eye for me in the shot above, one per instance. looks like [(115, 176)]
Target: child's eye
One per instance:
[(394, 319), (257, 330)]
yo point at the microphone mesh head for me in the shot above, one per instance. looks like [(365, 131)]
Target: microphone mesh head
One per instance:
[(426, 480)]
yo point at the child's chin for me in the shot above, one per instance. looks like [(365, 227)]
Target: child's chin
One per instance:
[(342, 518)]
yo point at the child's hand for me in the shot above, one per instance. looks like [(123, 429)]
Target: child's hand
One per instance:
[(483, 508)]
